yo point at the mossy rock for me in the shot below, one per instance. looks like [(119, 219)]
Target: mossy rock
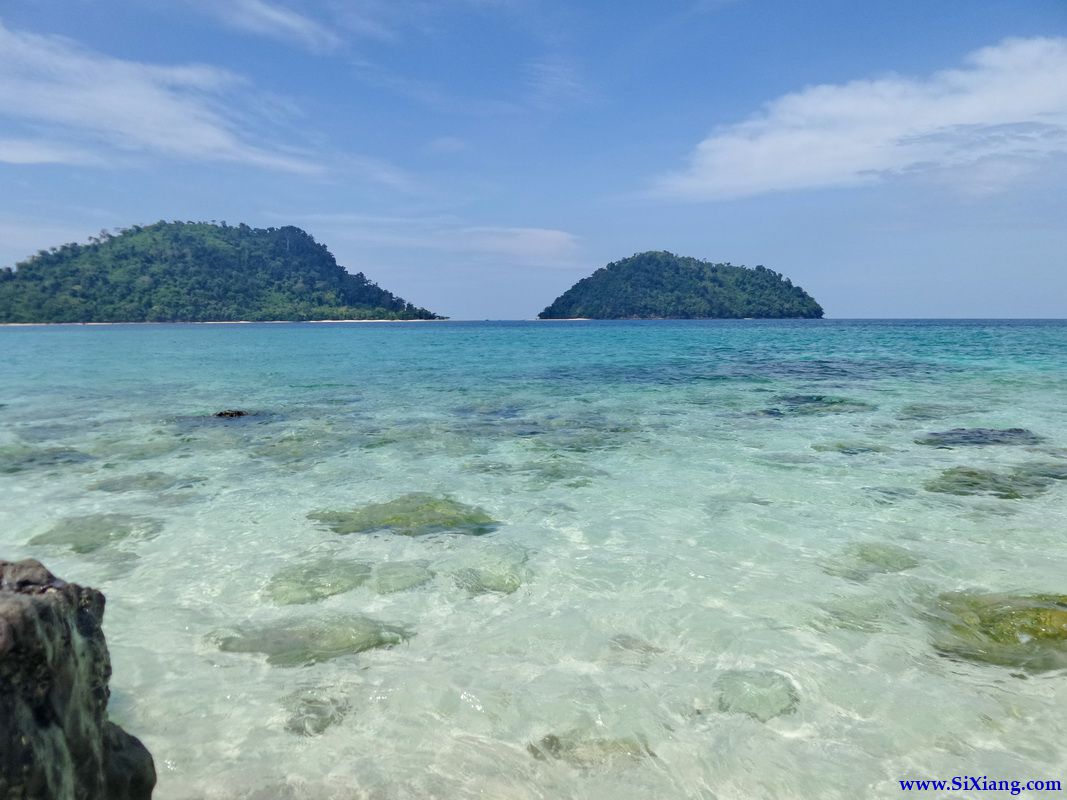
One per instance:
[(977, 437), (399, 576), (313, 711), (1016, 485), (760, 694), (1024, 631), (302, 642), (585, 752), (317, 580), (92, 532), (861, 561), (414, 514)]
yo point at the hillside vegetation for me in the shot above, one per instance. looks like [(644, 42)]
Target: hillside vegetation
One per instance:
[(193, 272), (661, 285)]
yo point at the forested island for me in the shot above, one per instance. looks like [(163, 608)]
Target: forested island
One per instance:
[(193, 272), (662, 285)]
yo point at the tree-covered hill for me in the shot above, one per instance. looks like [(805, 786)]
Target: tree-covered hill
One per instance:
[(193, 272), (661, 285)]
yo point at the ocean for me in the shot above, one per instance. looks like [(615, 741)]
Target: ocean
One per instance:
[(662, 559)]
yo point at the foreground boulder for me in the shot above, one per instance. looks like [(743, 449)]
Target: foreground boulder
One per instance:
[(55, 739)]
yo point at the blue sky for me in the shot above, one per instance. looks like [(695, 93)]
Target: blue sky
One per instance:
[(897, 158)]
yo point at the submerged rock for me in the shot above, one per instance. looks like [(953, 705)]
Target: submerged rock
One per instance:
[(1016, 485), (312, 711), (317, 580), (93, 532), (889, 495), (493, 569), (1023, 631), (399, 576), (20, 459), (816, 404), (1052, 471), (761, 694), (625, 649), (634, 644), (297, 643), (863, 614), (929, 411), (478, 580), (55, 737), (231, 413), (851, 448), (145, 482), (861, 561), (973, 437), (584, 752), (414, 514)]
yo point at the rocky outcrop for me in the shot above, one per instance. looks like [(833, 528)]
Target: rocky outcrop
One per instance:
[(56, 742)]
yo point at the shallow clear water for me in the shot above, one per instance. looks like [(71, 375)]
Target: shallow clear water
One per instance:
[(674, 506)]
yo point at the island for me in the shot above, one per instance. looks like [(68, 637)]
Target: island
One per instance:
[(194, 272), (661, 285)]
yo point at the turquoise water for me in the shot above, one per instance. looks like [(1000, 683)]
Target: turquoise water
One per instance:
[(685, 509)]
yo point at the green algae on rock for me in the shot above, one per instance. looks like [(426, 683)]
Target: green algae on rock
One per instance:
[(317, 580), (1024, 631), (301, 642), (1022, 482), (760, 694), (586, 752), (89, 533), (861, 561), (976, 437), (413, 514)]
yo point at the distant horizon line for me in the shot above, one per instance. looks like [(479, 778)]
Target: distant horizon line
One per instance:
[(533, 319)]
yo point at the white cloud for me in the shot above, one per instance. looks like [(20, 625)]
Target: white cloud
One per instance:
[(88, 106), (446, 145), (555, 82), (1003, 110), (275, 21), (518, 246), (528, 246), (33, 151)]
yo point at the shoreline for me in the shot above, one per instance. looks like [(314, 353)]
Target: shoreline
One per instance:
[(215, 322)]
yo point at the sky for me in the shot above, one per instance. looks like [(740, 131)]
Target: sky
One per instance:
[(896, 158)]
